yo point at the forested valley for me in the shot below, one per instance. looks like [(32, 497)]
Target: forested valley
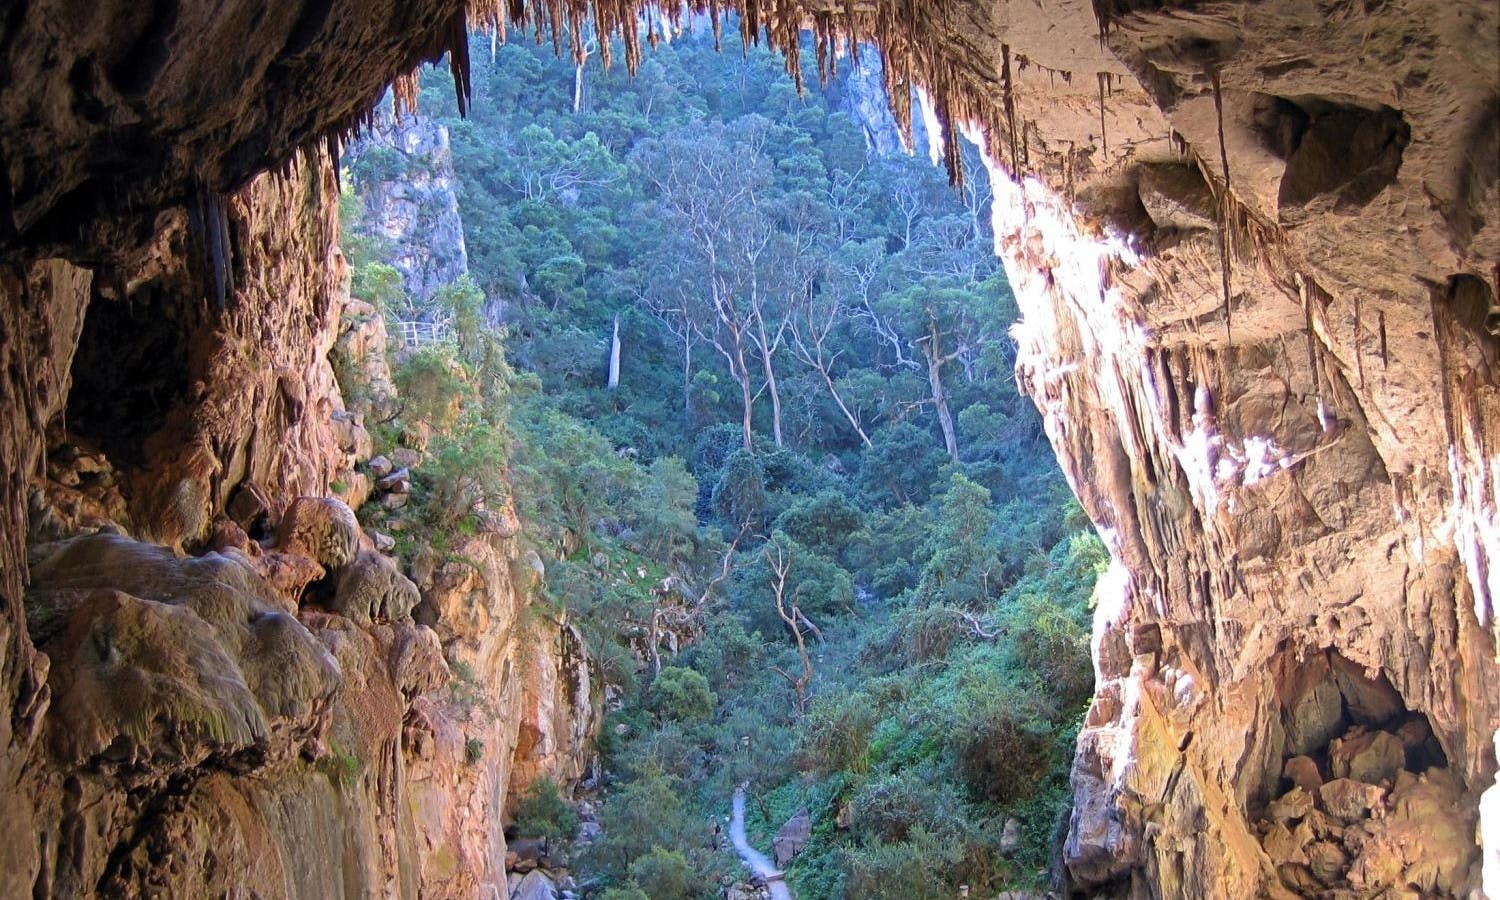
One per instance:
[(742, 366)]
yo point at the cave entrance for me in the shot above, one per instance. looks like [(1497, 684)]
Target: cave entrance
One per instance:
[(130, 370), (1363, 803)]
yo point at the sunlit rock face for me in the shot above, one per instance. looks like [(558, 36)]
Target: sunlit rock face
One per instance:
[(1298, 485), (226, 682), (404, 174), (1309, 468)]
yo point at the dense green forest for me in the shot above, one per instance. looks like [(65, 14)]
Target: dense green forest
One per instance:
[(815, 480)]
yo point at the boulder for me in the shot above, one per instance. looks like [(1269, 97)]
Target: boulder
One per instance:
[(792, 837), (1327, 860), (1348, 800), (248, 507), (529, 848), (320, 528), (1373, 757), (1303, 772), (398, 482), (535, 886), (417, 661), (1176, 196), (1295, 804), (406, 458), (1284, 845), (380, 467), (164, 661), (1010, 836), (372, 588), (382, 542), (1314, 718), (1370, 701)]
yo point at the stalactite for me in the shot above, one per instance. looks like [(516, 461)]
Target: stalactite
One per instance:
[(1385, 360), (1103, 133), (1009, 102), (1224, 230), (208, 226), (1359, 356), (1443, 340)]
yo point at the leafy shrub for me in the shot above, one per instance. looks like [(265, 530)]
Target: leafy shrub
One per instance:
[(908, 870), (728, 655), (835, 735), (1003, 748), (680, 694), (543, 813), (664, 517), (887, 809), (822, 522), (432, 386), (666, 875), (648, 811)]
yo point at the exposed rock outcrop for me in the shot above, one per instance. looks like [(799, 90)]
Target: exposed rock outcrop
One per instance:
[(234, 690), (404, 175), (1285, 445), (1279, 406)]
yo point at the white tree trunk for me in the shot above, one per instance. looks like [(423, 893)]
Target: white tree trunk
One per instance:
[(614, 357)]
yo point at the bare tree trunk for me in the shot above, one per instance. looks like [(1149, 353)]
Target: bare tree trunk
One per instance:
[(834, 392), (781, 566), (614, 357), (687, 381), (766, 352), (747, 398), (932, 349)]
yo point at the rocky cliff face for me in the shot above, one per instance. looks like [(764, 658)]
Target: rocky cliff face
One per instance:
[(228, 686), (404, 175), (1256, 250), (1273, 388)]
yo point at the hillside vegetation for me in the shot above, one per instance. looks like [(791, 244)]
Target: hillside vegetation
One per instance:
[(814, 538)]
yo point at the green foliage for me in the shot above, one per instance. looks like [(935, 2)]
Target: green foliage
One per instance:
[(836, 734), (823, 522), (380, 285), (379, 163), (681, 695), (664, 519), (917, 869), (341, 765), (696, 203), (543, 813), (432, 385), (465, 472), (667, 875), (647, 812)]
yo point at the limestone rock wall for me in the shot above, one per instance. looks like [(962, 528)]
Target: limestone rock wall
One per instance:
[(1306, 467), (404, 174), (1297, 480), (226, 684)]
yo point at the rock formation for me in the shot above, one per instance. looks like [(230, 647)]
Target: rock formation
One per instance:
[(228, 686), (1257, 252), (404, 175)]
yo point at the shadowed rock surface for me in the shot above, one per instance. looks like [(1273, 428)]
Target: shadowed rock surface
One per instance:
[(1257, 252)]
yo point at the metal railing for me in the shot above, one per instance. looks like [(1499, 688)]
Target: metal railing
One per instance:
[(415, 335)]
